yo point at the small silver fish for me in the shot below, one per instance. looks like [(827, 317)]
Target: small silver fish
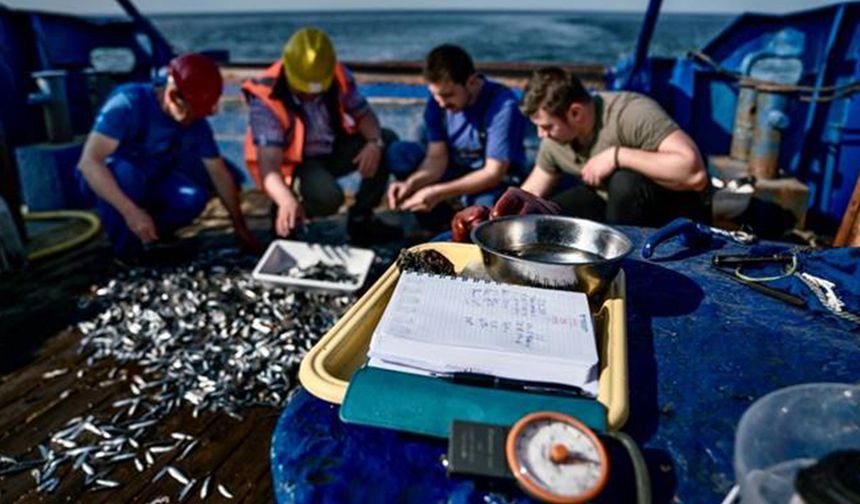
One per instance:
[(224, 491), (177, 475)]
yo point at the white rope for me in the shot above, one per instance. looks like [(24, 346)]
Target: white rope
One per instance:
[(732, 495)]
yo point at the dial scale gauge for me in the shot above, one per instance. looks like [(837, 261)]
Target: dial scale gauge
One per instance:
[(556, 458)]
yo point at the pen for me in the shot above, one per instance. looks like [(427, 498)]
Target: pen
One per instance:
[(740, 260), (496, 382)]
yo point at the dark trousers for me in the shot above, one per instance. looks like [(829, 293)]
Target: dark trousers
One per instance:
[(173, 196), (316, 179), (173, 199), (634, 200)]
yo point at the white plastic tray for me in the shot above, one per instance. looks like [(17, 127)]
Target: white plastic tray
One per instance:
[(284, 254)]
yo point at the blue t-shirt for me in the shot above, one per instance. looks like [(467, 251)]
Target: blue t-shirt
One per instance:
[(495, 112), (147, 135)]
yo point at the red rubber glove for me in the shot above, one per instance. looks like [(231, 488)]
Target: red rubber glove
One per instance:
[(465, 220), (515, 201)]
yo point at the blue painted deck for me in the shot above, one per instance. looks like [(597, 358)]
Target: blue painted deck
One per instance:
[(702, 348)]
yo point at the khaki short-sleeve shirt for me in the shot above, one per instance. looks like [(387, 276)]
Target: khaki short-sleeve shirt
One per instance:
[(624, 119)]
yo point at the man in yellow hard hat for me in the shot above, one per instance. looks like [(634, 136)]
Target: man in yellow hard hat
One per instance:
[(309, 125)]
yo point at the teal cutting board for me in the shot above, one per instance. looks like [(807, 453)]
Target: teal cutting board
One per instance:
[(427, 405)]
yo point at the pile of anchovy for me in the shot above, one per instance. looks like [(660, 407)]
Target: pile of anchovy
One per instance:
[(324, 272), (203, 336)]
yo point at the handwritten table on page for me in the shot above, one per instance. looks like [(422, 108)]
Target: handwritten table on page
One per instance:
[(445, 323)]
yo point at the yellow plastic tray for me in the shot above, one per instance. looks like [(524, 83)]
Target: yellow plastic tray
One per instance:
[(326, 369)]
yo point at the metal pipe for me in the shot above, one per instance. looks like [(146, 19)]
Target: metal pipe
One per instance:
[(643, 41), (10, 189), (742, 131), (54, 101), (802, 158), (99, 86), (12, 256), (767, 135), (162, 53)]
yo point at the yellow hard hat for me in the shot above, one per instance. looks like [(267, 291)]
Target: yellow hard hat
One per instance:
[(309, 60)]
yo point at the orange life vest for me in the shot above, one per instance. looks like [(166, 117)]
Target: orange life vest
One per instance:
[(262, 87)]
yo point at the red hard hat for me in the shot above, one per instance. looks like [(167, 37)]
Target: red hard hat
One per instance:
[(199, 80)]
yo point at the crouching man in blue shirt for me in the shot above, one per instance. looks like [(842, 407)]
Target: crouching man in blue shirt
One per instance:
[(475, 141), (151, 158)]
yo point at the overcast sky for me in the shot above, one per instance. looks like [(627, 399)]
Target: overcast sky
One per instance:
[(174, 6)]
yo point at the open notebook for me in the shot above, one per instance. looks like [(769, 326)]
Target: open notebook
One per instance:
[(437, 325)]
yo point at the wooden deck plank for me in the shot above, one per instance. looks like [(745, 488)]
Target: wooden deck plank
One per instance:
[(43, 301), (221, 440), (59, 352), (23, 441), (125, 473), (29, 394), (242, 471), (53, 399), (180, 421), (262, 491), (37, 307)]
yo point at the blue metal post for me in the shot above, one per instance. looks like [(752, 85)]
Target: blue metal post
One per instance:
[(162, 53), (803, 156), (644, 40)]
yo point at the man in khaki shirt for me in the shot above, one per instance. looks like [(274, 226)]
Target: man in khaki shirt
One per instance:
[(636, 165)]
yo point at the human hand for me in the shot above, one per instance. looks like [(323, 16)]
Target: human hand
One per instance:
[(367, 159), (422, 200), (515, 201), (465, 220), (290, 214), (142, 225), (599, 167), (397, 192)]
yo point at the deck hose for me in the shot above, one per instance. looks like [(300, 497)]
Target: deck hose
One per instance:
[(640, 469), (93, 228)]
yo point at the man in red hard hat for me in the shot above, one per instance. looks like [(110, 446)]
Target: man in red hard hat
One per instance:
[(151, 160)]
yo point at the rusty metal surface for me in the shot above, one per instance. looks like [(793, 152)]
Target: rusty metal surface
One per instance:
[(767, 135), (744, 123), (849, 229)]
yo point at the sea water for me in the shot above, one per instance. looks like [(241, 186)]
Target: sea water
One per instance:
[(563, 36)]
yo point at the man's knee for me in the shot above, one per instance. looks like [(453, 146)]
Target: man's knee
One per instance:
[(403, 157), (190, 199), (179, 200), (322, 201), (634, 200), (389, 136), (626, 185)]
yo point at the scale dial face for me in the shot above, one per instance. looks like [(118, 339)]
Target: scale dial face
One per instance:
[(557, 458)]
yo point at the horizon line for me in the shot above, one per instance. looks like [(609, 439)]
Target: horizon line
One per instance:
[(371, 10)]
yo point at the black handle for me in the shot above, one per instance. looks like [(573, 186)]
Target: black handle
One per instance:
[(739, 260), (770, 291)]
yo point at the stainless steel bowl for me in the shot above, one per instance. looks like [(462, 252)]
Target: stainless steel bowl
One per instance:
[(552, 251)]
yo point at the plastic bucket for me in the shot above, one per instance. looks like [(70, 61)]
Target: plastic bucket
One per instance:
[(790, 429)]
